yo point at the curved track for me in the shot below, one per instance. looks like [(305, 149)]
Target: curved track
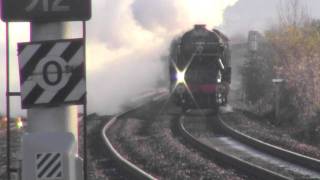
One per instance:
[(150, 144), (129, 167), (244, 163), (132, 169), (252, 161), (232, 161), (302, 160)]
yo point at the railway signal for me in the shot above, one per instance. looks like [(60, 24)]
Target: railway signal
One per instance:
[(253, 41)]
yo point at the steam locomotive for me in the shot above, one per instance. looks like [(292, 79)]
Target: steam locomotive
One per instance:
[(200, 70)]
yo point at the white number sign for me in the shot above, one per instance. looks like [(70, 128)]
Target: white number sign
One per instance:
[(55, 6)]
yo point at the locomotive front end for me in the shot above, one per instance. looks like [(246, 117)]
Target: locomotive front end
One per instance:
[(196, 68)]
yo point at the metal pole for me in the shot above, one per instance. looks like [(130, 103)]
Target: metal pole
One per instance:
[(85, 165), (8, 101), (85, 168)]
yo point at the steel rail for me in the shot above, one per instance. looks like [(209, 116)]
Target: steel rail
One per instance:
[(234, 162), (132, 169), (293, 157)]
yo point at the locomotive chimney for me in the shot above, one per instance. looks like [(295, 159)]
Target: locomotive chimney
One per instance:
[(200, 26)]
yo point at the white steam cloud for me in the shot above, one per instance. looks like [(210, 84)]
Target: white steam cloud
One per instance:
[(126, 39)]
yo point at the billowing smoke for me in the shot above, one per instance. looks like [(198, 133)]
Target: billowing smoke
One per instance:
[(126, 42), (135, 35), (156, 16)]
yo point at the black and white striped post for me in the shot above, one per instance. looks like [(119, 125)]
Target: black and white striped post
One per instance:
[(49, 166)]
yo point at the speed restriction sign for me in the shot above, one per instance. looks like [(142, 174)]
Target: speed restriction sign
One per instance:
[(52, 73)]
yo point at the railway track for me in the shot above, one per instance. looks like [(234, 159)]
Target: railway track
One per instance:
[(102, 165), (281, 152), (127, 169), (130, 168), (110, 164), (149, 144), (296, 158), (257, 159), (221, 143)]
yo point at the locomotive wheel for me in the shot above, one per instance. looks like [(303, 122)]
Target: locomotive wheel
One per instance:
[(184, 108), (215, 109), (225, 101), (215, 106)]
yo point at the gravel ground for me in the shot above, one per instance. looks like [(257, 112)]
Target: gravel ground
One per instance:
[(151, 144), (15, 150), (101, 164), (260, 128)]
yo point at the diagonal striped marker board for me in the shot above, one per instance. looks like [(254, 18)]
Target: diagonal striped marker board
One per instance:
[(52, 73), (49, 166)]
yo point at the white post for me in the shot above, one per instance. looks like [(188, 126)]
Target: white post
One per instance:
[(277, 83), (58, 119), (52, 132), (277, 103)]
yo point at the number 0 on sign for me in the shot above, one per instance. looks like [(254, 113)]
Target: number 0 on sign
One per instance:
[(52, 73)]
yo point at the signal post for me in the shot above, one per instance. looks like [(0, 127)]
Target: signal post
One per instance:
[(52, 80)]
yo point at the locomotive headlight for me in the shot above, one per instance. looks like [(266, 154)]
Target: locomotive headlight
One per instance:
[(180, 77)]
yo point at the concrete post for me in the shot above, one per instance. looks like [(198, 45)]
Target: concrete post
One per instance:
[(50, 146), (277, 83), (277, 103), (57, 119)]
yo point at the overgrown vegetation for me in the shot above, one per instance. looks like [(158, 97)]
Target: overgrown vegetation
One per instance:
[(298, 62), (291, 52)]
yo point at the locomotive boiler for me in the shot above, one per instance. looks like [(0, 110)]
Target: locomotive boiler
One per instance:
[(200, 71)]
